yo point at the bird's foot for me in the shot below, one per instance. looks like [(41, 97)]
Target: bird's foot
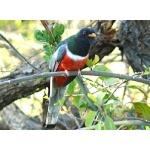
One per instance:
[(79, 72), (67, 73)]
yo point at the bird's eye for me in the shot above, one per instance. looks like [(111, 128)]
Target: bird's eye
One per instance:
[(84, 32)]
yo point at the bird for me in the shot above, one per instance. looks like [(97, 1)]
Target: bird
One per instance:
[(71, 55)]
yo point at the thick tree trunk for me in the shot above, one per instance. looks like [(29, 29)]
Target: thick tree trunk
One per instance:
[(132, 38)]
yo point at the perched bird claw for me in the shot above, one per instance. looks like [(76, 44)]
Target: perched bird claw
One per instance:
[(79, 72), (67, 73)]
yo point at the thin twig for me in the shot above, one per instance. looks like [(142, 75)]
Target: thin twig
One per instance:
[(105, 87), (46, 25), (115, 90), (75, 119), (22, 57), (61, 123), (125, 87), (131, 118), (122, 126)]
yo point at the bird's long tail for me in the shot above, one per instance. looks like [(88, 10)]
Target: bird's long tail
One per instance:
[(53, 110)]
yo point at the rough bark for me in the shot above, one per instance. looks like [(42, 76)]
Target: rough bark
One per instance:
[(132, 38), (10, 93)]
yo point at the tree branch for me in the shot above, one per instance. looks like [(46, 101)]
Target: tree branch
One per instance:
[(122, 123), (20, 56), (72, 73)]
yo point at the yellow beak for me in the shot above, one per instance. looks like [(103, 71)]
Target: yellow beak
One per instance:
[(93, 35)]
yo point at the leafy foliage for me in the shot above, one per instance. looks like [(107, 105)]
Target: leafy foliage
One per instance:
[(108, 105), (50, 41)]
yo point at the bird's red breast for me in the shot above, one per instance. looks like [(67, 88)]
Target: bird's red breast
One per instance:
[(69, 64)]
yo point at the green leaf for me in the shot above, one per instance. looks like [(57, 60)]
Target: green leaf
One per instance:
[(140, 89), (111, 101), (58, 29), (90, 118), (48, 38), (109, 123), (92, 97), (101, 68), (51, 40), (142, 110), (76, 101), (84, 104), (100, 96), (39, 36), (146, 70), (98, 126), (71, 87), (89, 63), (58, 38), (43, 36), (96, 59), (147, 127), (46, 48), (46, 58), (110, 81), (48, 51)]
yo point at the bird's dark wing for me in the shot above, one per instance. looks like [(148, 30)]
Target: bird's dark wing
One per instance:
[(57, 57)]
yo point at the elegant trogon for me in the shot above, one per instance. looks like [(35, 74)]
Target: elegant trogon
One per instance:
[(71, 55)]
